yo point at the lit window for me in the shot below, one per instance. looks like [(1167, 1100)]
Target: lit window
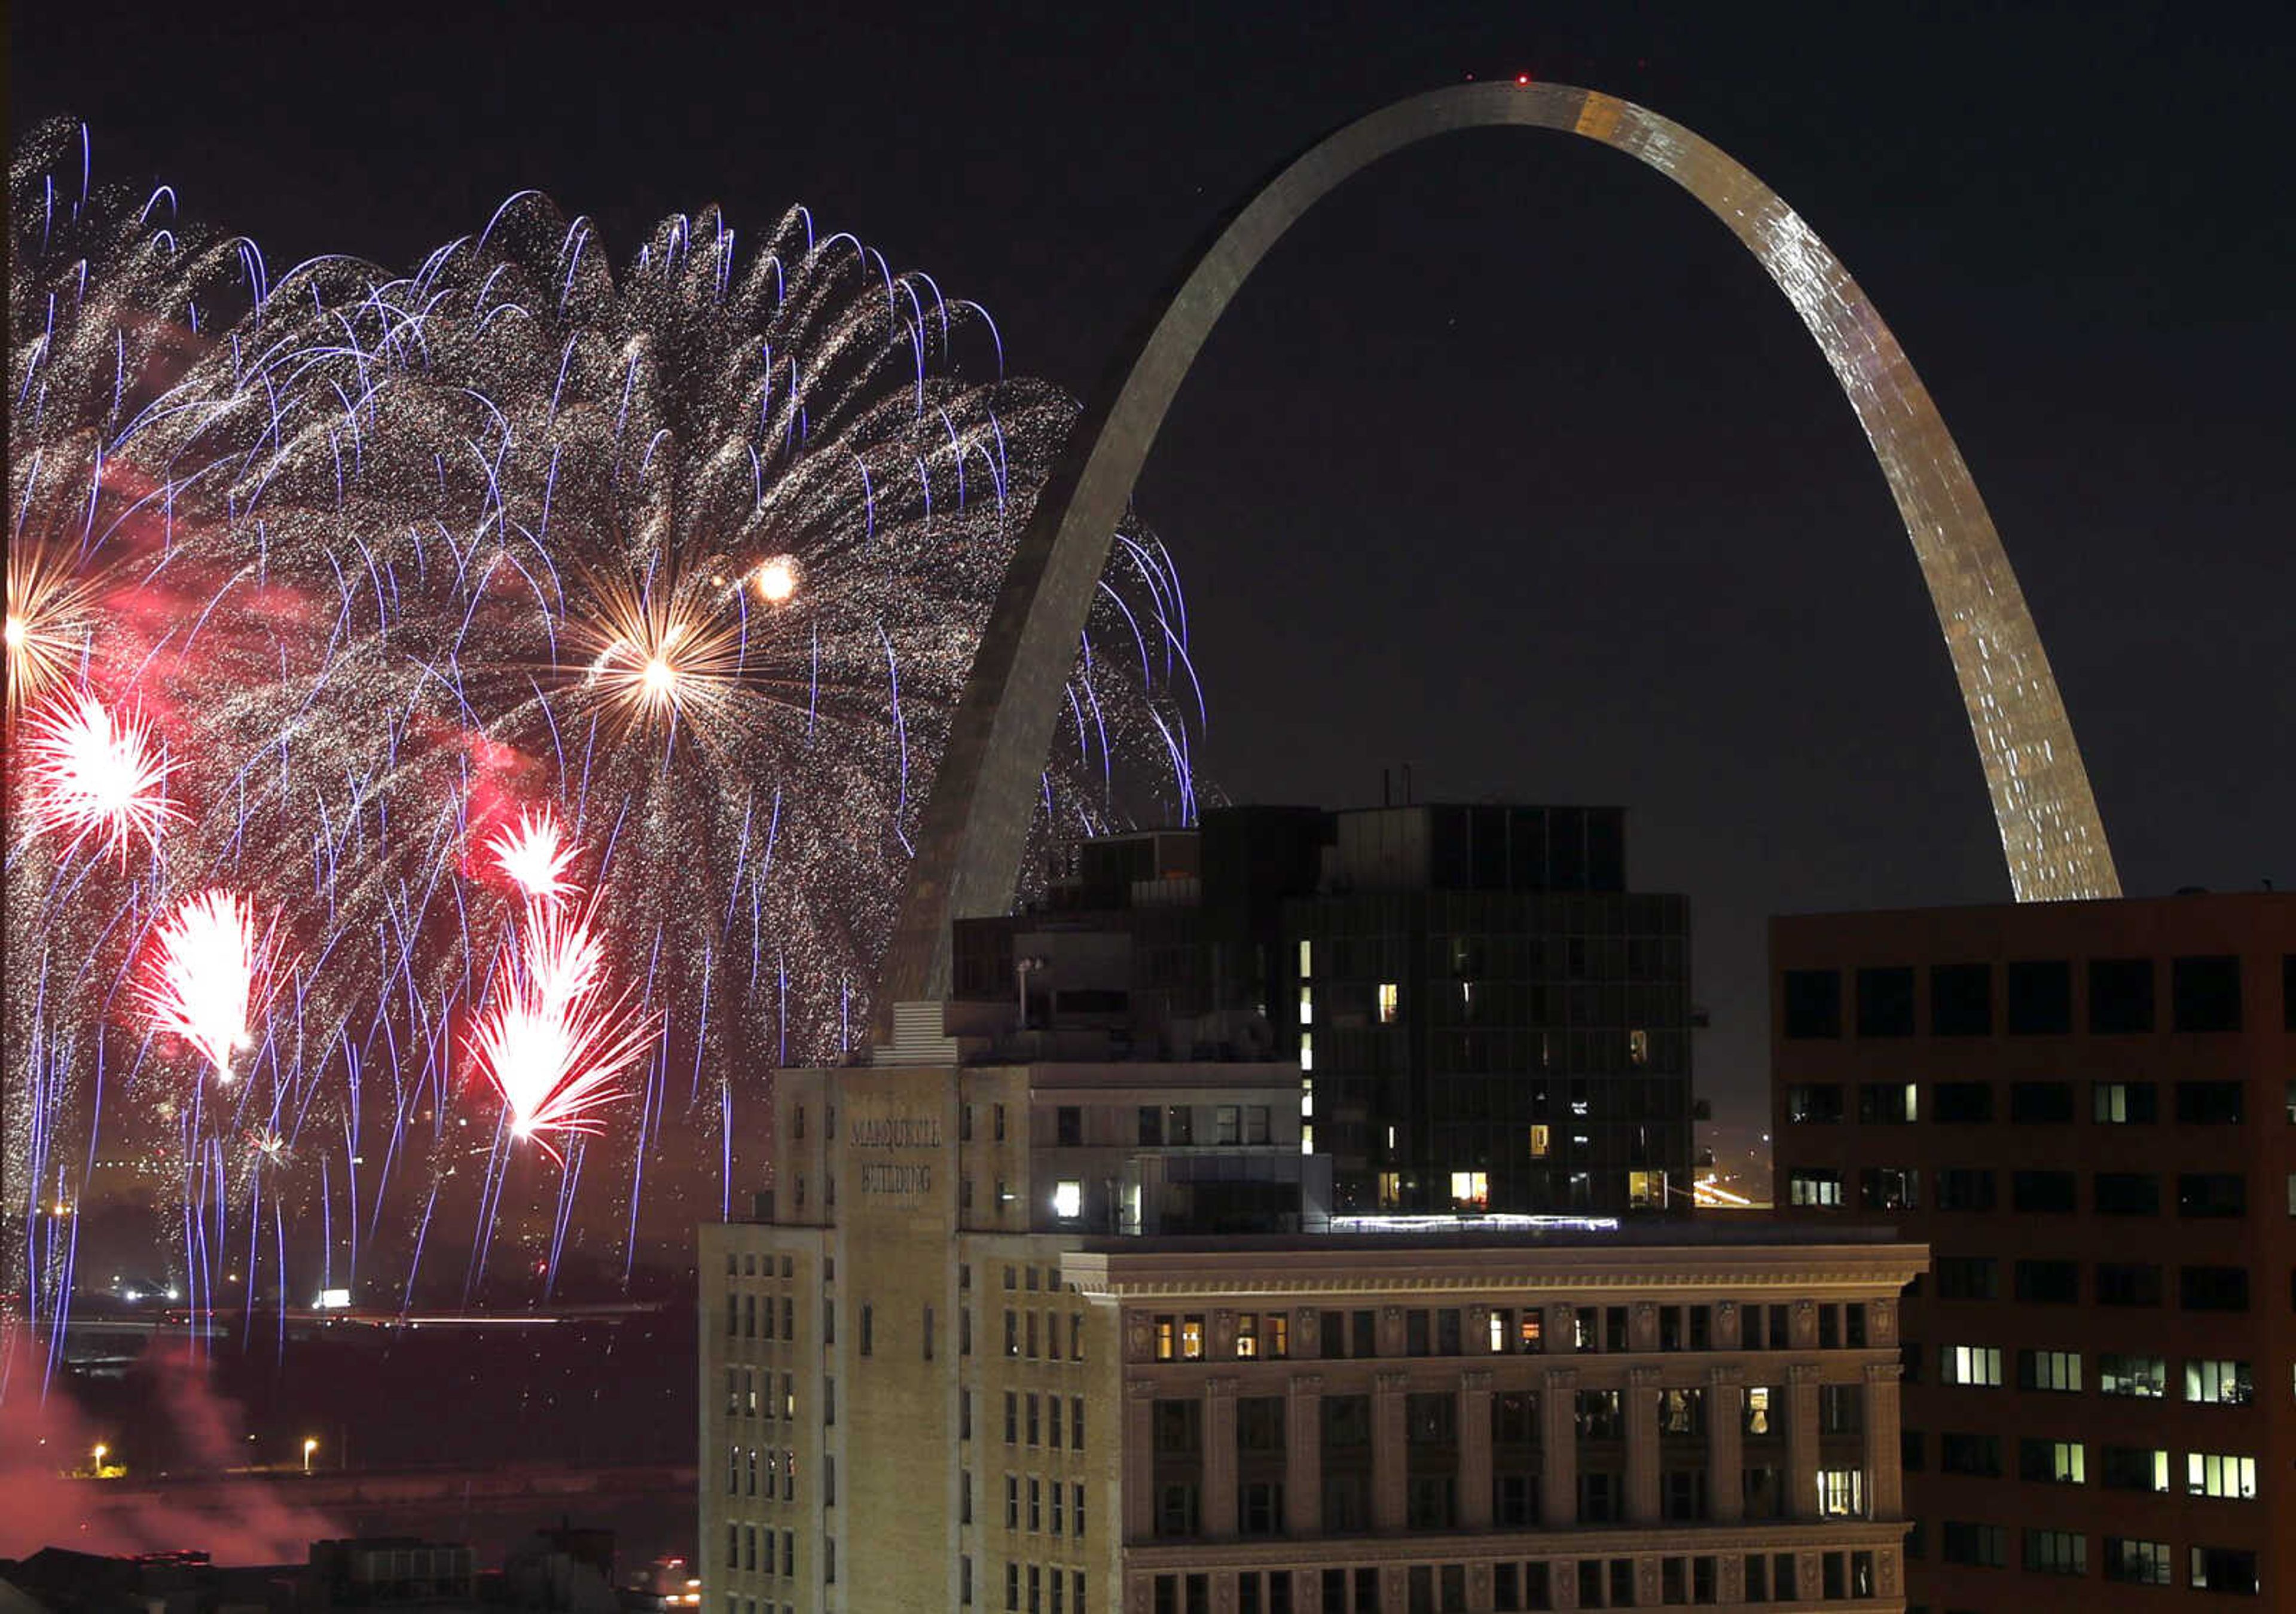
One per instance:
[(1471, 1188), (1306, 1004), (1067, 1200), (1306, 1051), (1306, 1139), (1307, 1100), (1840, 1493), (1646, 1190), (2206, 1474), (1638, 1047), (2218, 1382), (1191, 1339), (1307, 958), (1390, 1190), (1541, 1140), (1387, 1002), (1972, 1364), (2119, 1373), (1247, 1335)]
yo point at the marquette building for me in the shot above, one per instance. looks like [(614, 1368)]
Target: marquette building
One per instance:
[(2088, 1110), (1050, 1311)]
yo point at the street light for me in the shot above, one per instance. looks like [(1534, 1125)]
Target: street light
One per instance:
[(309, 1445), (101, 1451)]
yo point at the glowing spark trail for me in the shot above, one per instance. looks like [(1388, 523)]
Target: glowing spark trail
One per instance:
[(534, 855), (94, 774), (422, 612), (549, 1040), (206, 974)]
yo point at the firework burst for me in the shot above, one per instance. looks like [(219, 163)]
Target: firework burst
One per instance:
[(95, 773), (534, 855), (208, 973), (418, 581), (549, 1039)]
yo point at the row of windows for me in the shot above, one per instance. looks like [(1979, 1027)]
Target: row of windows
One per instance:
[(2036, 998), (1517, 1587), (1040, 1520), (1042, 1418), (2213, 1381), (1430, 1419), (1020, 1335), (2136, 1283), (1065, 1588), (747, 1466), (1443, 1331), (749, 1394), (2197, 1193), (747, 1266), (2031, 1103), (2066, 1553), (750, 1550), (2066, 1463)]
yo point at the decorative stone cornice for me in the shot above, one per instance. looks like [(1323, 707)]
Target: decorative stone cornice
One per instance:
[(1658, 1273), (1564, 1545)]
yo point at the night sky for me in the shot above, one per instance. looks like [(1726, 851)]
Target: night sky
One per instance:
[(1509, 464)]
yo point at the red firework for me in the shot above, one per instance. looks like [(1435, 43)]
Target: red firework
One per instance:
[(207, 973)]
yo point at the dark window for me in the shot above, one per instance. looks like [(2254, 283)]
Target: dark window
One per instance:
[(1814, 1103), (2124, 1103), (1260, 1424), (1961, 1102), (2288, 992), (1889, 1187), (2212, 1288), (1151, 1125), (2049, 1282), (2052, 1192), (1813, 1003), (2211, 1193), (2127, 1193), (2127, 1283), (2209, 1103), (2041, 1103), (1068, 1127), (2205, 993), (2120, 996), (1960, 999), (1968, 1278), (2231, 1570), (1912, 1450), (1985, 1545), (1885, 1001), (1347, 1423), (1978, 1454), (1965, 1188), (1888, 1102), (2040, 994)]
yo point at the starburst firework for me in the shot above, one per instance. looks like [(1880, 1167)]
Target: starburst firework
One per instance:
[(687, 562), (95, 774)]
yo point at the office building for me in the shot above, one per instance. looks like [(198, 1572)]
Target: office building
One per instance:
[(1485, 1019), (1053, 1336), (2088, 1110)]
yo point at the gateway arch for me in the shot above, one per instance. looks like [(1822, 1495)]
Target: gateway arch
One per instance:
[(976, 822)]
